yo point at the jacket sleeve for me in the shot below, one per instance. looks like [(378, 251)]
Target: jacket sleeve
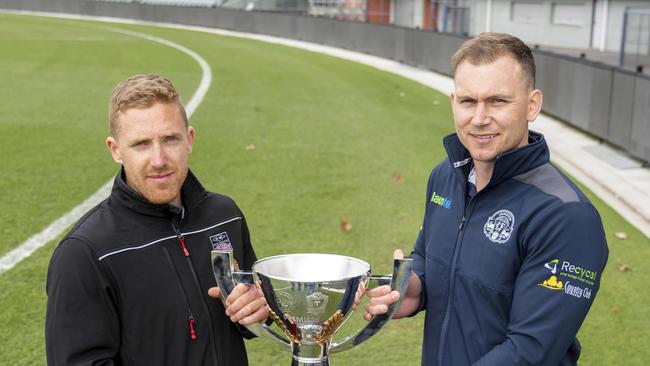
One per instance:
[(249, 252), (81, 325), (565, 252), (419, 249)]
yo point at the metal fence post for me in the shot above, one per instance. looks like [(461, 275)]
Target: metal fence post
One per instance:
[(621, 56)]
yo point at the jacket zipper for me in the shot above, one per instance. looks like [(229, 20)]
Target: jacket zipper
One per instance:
[(452, 278), (190, 317), (181, 240), (195, 277)]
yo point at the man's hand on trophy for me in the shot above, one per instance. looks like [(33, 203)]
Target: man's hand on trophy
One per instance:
[(245, 304), (381, 297)]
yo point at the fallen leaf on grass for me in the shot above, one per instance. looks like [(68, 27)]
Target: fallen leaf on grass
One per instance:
[(397, 177), (620, 235), (345, 225), (249, 147), (615, 309), (623, 267)]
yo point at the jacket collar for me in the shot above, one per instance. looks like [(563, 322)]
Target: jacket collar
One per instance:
[(507, 165), (191, 193)]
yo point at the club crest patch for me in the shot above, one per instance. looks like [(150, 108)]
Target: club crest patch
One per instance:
[(220, 241), (499, 226)]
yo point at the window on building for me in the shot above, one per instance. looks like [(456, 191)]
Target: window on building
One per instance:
[(527, 12), (569, 14)]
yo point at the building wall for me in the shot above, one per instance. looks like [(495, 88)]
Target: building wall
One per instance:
[(379, 11), (409, 13), (553, 23), (477, 16), (583, 24), (615, 22)]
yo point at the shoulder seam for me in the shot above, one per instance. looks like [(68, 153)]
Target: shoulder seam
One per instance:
[(528, 178)]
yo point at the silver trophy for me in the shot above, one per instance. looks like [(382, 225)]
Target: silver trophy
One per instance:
[(310, 296)]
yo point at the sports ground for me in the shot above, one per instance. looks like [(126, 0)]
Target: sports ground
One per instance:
[(302, 142)]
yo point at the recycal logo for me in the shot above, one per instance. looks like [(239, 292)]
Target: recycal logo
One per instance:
[(569, 270), (552, 265)]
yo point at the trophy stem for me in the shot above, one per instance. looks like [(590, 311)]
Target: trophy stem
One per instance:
[(301, 362), (318, 353)]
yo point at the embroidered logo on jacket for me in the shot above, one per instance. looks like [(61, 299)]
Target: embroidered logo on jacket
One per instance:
[(552, 265), (499, 226), (569, 273), (220, 241), (552, 283), (440, 200)]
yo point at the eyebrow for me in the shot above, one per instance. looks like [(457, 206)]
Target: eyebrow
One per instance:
[(176, 135), (490, 97), (139, 142)]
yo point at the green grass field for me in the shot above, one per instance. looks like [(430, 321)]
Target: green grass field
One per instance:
[(329, 135)]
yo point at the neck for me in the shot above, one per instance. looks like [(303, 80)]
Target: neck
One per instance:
[(177, 202), (483, 173)]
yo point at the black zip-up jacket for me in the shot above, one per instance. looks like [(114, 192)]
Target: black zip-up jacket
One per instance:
[(128, 284)]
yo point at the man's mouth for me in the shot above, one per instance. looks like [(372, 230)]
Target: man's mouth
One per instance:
[(483, 138), (159, 177)]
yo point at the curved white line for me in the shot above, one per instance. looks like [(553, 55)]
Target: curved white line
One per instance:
[(55, 229), (206, 79), (433, 80)]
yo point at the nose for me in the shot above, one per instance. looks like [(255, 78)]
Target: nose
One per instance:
[(158, 156), (480, 116)]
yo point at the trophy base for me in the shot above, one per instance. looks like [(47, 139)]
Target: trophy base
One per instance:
[(304, 361)]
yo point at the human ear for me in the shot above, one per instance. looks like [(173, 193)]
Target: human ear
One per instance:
[(534, 104), (190, 137), (114, 149)]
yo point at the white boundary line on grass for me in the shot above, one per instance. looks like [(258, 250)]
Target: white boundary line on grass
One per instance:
[(433, 80), (53, 230)]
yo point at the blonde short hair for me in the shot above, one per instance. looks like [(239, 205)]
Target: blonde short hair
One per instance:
[(487, 47), (141, 91)]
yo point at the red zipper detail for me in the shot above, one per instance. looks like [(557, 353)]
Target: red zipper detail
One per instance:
[(192, 332), (182, 240)]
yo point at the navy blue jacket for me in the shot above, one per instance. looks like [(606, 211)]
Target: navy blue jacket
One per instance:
[(508, 275)]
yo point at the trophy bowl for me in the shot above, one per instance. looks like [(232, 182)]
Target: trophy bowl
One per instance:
[(310, 296)]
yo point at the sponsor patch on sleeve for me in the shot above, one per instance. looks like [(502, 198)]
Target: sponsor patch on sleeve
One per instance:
[(220, 241), (573, 280)]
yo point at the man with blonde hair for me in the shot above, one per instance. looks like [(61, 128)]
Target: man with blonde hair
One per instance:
[(128, 285), (508, 267)]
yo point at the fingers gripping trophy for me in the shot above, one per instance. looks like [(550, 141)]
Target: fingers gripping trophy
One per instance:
[(309, 297)]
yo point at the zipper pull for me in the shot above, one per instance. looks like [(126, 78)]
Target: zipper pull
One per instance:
[(462, 222), (182, 240), (191, 320)]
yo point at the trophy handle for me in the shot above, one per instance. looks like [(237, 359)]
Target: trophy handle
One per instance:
[(222, 266), (402, 269)]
